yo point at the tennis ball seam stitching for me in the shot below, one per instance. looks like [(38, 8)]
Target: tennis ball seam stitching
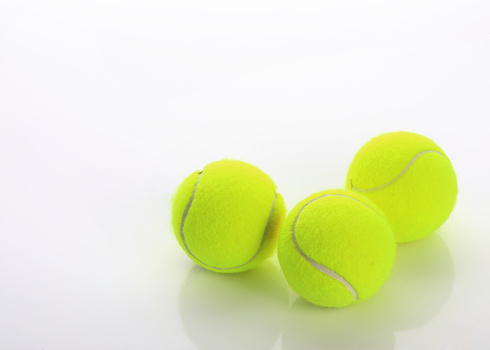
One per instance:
[(418, 155), (184, 216), (318, 266)]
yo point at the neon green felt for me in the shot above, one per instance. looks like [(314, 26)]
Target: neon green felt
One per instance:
[(346, 234), (227, 227), (422, 198)]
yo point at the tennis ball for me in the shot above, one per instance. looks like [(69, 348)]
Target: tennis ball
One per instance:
[(336, 248), (227, 217), (410, 178)]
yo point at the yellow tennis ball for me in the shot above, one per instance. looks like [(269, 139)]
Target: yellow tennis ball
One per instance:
[(410, 178), (336, 248), (227, 216)]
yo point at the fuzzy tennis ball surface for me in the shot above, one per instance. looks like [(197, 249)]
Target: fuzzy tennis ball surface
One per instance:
[(227, 216), (336, 248), (410, 178)]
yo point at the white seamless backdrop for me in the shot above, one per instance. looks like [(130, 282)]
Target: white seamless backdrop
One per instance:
[(105, 106)]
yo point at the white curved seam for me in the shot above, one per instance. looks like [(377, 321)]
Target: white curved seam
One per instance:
[(184, 216), (398, 176), (318, 266)]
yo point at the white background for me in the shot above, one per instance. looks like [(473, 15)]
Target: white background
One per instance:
[(105, 106)]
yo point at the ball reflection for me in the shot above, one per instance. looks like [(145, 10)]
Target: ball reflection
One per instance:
[(233, 311)]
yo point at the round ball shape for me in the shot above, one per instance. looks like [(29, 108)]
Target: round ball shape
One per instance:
[(336, 248), (410, 178), (227, 216)]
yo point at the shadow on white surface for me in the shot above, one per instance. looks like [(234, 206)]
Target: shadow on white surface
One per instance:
[(419, 287), (247, 310), (233, 311), (310, 327), (421, 283)]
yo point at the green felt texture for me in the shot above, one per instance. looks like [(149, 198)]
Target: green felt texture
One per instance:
[(227, 226), (420, 200), (347, 234)]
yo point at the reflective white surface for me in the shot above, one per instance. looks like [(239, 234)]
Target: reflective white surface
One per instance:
[(106, 106)]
